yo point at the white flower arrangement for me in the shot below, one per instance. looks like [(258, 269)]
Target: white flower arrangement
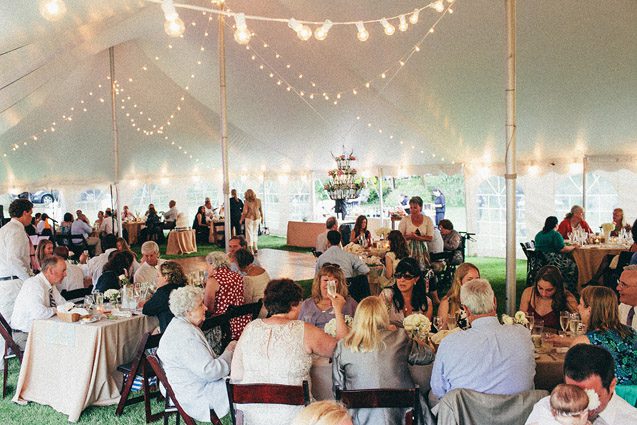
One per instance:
[(330, 327), (353, 248), (372, 260), (417, 325), (112, 295), (608, 227), (383, 232), (123, 280), (593, 399), (518, 319)]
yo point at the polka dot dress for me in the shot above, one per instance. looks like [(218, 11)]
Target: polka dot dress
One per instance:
[(230, 293)]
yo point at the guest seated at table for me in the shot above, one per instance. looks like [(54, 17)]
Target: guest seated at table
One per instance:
[(326, 412), (351, 264), (154, 230), (360, 235), (436, 245), (590, 368), (572, 221), (122, 245), (620, 222), (170, 216), (627, 290), (500, 357), (44, 249), (98, 223), (82, 227), (38, 298), (318, 309), (452, 241), (321, 240), (74, 276), (119, 263), (397, 251), (224, 288), (195, 374), (65, 226), (109, 224), (450, 304), (373, 356), (408, 295), (278, 350), (201, 226), (127, 215), (93, 267), (598, 310), (148, 271), (255, 278), (547, 298), (171, 277), (551, 243)]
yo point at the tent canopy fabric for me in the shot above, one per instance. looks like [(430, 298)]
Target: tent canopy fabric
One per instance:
[(576, 88)]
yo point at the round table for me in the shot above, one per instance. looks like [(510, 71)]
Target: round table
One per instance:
[(589, 257)]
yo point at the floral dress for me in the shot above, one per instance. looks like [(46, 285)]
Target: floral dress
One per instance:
[(623, 350)]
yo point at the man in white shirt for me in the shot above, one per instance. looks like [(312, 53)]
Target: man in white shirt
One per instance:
[(74, 275), (149, 270), (321, 240), (109, 224), (38, 298), (170, 216), (210, 212), (627, 288), (15, 260), (590, 367), (93, 267)]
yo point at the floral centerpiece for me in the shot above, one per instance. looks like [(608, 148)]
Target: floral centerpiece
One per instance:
[(382, 232), (330, 327), (518, 319), (123, 280), (372, 260), (417, 326), (112, 295), (354, 248)]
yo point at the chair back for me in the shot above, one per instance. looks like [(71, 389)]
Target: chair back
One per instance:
[(294, 395), (251, 309), (408, 398), (155, 364), (77, 293), (7, 334), (222, 321)]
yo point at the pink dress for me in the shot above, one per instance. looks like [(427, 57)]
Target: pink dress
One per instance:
[(230, 293)]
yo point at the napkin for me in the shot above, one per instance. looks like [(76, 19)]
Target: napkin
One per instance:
[(122, 313), (440, 335), (65, 308)]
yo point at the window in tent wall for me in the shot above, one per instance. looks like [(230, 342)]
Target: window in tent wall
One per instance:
[(491, 216), (93, 200), (601, 198), (270, 200), (196, 195), (150, 194), (300, 199)]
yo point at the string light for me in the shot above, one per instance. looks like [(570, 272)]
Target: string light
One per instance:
[(241, 35), (388, 28), (362, 34), (413, 19), (173, 25), (52, 10), (438, 6), (321, 32), (302, 31), (403, 25)]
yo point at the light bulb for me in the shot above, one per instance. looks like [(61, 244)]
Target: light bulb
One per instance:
[(174, 27), (321, 32), (413, 19), (305, 33), (403, 25), (389, 28), (438, 6), (52, 10), (241, 35), (362, 35)]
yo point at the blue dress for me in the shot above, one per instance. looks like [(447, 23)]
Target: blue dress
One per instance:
[(623, 350)]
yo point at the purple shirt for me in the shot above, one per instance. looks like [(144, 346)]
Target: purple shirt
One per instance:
[(310, 313)]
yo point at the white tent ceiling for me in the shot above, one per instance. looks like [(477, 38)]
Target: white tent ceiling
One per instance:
[(577, 85)]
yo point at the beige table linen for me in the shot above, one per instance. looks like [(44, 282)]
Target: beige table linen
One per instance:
[(215, 227), (549, 371), (70, 366), (304, 233), (589, 257), (181, 242), (133, 228)]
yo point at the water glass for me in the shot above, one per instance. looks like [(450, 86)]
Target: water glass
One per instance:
[(531, 319), (451, 322), (89, 301), (438, 323), (99, 301), (536, 333), (564, 318)]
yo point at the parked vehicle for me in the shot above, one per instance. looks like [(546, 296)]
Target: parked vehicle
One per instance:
[(40, 196)]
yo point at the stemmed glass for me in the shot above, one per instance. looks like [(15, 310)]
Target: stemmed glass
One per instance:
[(438, 323), (564, 319), (89, 301)]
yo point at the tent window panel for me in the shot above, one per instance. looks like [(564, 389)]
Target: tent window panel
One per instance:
[(93, 200), (601, 197)]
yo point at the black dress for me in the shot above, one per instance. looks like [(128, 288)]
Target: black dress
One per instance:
[(158, 306), (108, 280)]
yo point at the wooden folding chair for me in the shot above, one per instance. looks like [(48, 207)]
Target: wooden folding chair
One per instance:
[(155, 364), (294, 395), (383, 398), (11, 350), (139, 368)]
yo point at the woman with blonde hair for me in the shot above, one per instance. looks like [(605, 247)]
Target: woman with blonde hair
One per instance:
[(372, 356), (318, 309), (450, 303), (325, 412), (44, 249), (252, 214), (599, 311)]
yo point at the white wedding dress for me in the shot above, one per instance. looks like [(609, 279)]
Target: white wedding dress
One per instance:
[(271, 354)]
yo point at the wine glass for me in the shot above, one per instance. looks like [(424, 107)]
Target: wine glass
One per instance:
[(437, 322), (564, 318), (89, 301), (451, 322)]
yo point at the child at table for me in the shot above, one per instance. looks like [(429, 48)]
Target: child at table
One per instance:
[(570, 404)]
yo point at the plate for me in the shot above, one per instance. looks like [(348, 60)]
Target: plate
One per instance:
[(90, 319)]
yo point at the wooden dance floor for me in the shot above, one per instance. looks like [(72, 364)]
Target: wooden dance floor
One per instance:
[(279, 264)]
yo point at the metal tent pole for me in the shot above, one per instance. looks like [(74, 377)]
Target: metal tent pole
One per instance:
[(380, 196), (111, 60), (584, 171), (224, 126), (510, 174)]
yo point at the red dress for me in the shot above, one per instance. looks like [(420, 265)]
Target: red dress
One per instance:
[(565, 227), (230, 293)]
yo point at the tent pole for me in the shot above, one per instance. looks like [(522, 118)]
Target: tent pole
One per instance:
[(380, 196), (510, 174), (584, 171), (111, 60), (312, 196), (224, 126)]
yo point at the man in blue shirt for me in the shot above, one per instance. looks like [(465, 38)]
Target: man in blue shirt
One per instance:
[(490, 358)]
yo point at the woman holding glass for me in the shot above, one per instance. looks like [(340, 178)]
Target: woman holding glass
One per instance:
[(599, 312), (450, 307), (417, 229), (360, 235), (547, 298)]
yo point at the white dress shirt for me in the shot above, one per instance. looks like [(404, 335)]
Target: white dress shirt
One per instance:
[(436, 244), (623, 314), (148, 273), (108, 224), (15, 257), (74, 278), (33, 302), (94, 266), (196, 376), (80, 228), (171, 214), (617, 412)]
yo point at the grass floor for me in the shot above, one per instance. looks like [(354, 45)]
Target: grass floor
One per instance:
[(492, 269)]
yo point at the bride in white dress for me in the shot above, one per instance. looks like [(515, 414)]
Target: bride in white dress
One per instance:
[(278, 350)]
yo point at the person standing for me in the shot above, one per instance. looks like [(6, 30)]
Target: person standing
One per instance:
[(439, 204), (236, 209), (418, 229), (15, 260), (252, 214)]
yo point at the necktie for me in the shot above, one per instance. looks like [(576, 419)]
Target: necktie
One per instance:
[(630, 317), (52, 302)]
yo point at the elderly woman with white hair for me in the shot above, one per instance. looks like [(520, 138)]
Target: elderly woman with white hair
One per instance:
[(195, 375), (224, 288)]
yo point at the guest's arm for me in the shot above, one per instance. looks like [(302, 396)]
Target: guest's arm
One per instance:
[(156, 304), (439, 385), (212, 286), (525, 300), (358, 265), (318, 342), (389, 266), (443, 312), (338, 370)]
